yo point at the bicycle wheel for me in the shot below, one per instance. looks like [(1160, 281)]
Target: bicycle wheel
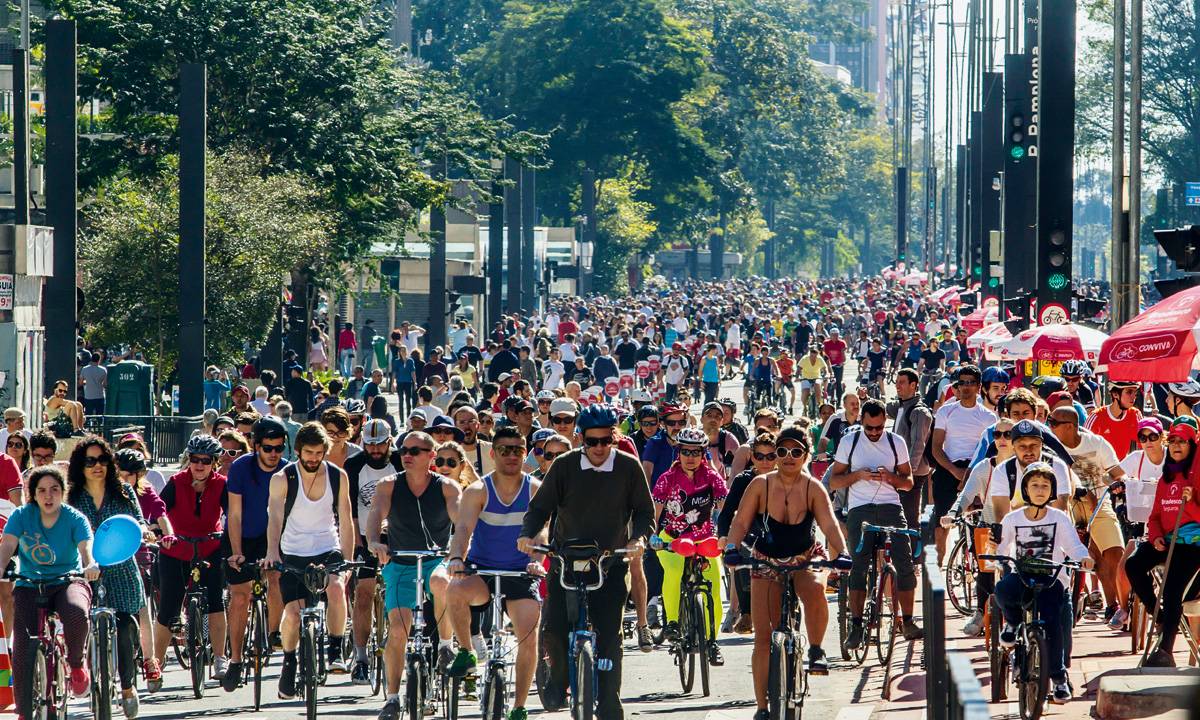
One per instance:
[(997, 660), (414, 688), (257, 644), (885, 617), (958, 578), (102, 669), (308, 667), (684, 657), (1137, 624), (38, 699), (493, 698), (843, 615), (377, 644), (195, 646), (1035, 676), (182, 655), (583, 700), (780, 680), (700, 636)]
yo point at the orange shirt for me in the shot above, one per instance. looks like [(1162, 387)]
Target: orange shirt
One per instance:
[(786, 366)]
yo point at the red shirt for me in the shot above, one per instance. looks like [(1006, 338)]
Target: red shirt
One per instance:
[(1167, 499), (180, 500), (566, 327), (347, 340), (835, 350), (10, 475), (1121, 434)]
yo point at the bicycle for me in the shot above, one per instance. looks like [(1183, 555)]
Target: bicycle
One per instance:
[(256, 645), (880, 614), (787, 682), (377, 638), (198, 648), (311, 671), (584, 556), (1025, 662), (103, 654), (696, 612), (498, 675), (961, 566), (146, 570), (420, 657), (46, 662)]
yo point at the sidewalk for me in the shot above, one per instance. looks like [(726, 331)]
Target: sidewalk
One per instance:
[(1098, 653)]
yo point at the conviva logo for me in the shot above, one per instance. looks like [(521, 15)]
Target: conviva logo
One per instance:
[(1142, 349)]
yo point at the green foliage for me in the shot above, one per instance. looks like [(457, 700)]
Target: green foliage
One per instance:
[(259, 227), (623, 226)]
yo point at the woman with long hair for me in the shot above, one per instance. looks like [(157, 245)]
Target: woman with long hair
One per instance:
[(18, 449), (451, 460)]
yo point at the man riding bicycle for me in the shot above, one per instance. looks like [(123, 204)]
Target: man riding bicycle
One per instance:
[(813, 371)]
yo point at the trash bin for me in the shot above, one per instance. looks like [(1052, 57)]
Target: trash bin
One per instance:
[(130, 389), (379, 347)]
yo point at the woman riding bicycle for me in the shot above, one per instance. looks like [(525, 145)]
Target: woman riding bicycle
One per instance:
[(94, 490), (193, 499), (690, 492), (50, 540), (763, 461)]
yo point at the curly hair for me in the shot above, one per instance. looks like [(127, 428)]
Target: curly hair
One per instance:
[(77, 480)]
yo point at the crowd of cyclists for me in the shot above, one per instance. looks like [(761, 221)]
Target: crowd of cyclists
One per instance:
[(599, 424)]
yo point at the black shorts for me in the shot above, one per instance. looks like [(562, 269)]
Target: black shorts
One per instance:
[(254, 549), (173, 579), (291, 586), (512, 588), (370, 563), (945, 488)]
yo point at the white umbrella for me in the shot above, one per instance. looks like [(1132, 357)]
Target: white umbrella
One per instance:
[(1066, 341)]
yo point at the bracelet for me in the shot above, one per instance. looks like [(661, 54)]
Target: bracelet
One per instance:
[(452, 559)]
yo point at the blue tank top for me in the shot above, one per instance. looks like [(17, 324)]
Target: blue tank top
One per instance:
[(494, 542)]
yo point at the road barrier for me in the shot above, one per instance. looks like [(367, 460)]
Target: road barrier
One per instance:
[(951, 687), (165, 435)]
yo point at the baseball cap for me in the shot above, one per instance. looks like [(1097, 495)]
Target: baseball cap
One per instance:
[(794, 434), (542, 434), (376, 431), (1150, 423), (503, 376), (1026, 428), (561, 406), (1181, 428), (14, 413), (1060, 396), (712, 405), (521, 405)]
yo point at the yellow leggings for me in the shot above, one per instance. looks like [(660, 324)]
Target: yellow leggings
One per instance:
[(672, 566)]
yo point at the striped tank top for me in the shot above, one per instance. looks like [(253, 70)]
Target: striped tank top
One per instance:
[(494, 542)]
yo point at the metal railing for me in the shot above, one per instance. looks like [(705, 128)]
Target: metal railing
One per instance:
[(165, 435), (951, 687)]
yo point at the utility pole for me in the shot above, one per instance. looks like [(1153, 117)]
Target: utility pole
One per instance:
[(1132, 291), (193, 125), (1120, 225)]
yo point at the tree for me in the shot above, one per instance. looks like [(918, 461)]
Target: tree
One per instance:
[(259, 227)]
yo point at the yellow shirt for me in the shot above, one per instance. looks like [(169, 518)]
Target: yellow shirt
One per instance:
[(811, 369)]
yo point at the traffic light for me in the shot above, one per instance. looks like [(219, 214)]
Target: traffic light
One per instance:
[(1017, 134), (454, 303), (1182, 245), (297, 317), (1170, 286), (995, 272), (1054, 269)]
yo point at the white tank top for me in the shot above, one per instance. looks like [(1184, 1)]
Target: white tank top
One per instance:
[(310, 529)]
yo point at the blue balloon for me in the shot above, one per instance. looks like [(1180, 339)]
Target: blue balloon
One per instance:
[(117, 539)]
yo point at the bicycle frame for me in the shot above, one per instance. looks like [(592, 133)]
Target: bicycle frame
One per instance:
[(54, 694), (100, 611)]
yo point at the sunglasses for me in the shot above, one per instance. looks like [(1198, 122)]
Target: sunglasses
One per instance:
[(441, 430), (197, 460), (791, 452), (44, 457), (648, 422), (339, 435), (232, 452), (414, 451), (674, 423), (601, 441), (446, 462), (764, 457), (562, 420), (1006, 434), (872, 428), (508, 450), (91, 461), (16, 443), (1148, 437), (550, 455), (1055, 423), (274, 449), (691, 452)]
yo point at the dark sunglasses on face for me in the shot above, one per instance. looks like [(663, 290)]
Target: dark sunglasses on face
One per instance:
[(791, 452), (1006, 434), (91, 461), (691, 452), (1055, 423), (198, 460), (270, 448), (16, 443), (446, 462), (765, 457), (562, 420), (508, 450), (550, 456), (1148, 437), (414, 451), (872, 428), (648, 422), (602, 441)]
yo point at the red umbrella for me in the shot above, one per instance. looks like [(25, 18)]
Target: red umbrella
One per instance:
[(1159, 345)]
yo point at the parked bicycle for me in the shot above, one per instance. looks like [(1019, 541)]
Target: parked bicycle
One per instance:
[(580, 562), (46, 661)]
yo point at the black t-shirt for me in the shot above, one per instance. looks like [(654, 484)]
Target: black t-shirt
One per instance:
[(876, 359), (933, 359), (626, 355)]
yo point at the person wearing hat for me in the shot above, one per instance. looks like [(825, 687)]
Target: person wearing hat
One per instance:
[(642, 425), (1028, 448), (1176, 506), (216, 384), (443, 429), (1117, 422), (721, 443), (14, 422), (1146, 463), (1039, 531), (1062, 398), (543, 400), (364, 471), (240, 399)]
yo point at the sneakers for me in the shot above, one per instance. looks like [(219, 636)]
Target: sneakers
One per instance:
[(153, 673), (220, 667), (1160, 658), (855, 639), (518, 714), (333, 657), (671, 631), (1008, 636), (727, 625), (79, 681), (1062, 693), (645, 639), (1119, 618), (232, 677), (361, 674), (446, 658), (762, 714), (276, 640), (744, 625), (462, 663), (131, 704), (715, 658), (287, 678), (912, 632), (390, 710), (818, 662), (974, 626)]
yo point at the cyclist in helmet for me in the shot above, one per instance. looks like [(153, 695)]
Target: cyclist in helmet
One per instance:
[(1182, 398), (1047, 385), (994, 386), (1072, 372), (690, 493), (601, 494), (1118, 421)]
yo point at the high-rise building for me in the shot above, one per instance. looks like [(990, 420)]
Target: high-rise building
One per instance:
[(866, 61)]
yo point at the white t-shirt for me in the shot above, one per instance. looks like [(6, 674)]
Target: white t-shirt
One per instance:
[(1141, 484), (1137, 465), (676, 369), (1000, 487), (868, 456), (1093, 457), (680, 324), (733, 337), (1051, 537), (964, 426), (568, 352), (552, 374)]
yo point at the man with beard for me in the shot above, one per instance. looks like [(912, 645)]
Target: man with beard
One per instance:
[(478, 452), (365, 470)]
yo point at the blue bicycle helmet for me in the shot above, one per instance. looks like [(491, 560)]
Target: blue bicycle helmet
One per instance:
[(598, 415), (994, 375)]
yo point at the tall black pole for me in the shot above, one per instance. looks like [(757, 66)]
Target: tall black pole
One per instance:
[(528, 220), (435, 332), (20, 62), (960, 210), (901, 214), (193, 122), (495, 254), (993, 164), (59, 301), (769, 246), (588, 199), (512, 212)]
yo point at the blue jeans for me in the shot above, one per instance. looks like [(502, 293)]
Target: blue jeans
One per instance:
[(1009, 591), (345, 361)]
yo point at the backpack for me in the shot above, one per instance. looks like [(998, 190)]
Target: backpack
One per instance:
[(292, 474), (891, 442)]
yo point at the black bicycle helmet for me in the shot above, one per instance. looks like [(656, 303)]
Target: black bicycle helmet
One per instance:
[(1047, 385), (267, 428), (130, 460)]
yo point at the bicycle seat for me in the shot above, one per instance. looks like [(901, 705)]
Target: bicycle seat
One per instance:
[(579, 550)]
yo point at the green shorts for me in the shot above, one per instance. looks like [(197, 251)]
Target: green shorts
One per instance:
[(400, 583)]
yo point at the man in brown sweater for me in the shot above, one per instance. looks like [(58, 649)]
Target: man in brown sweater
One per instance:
[(595, 493)]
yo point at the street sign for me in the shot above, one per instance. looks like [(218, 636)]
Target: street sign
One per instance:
[(1053, 314), (626, 381), (643, 369), (1191, 193), (611, 387), (6, 292)]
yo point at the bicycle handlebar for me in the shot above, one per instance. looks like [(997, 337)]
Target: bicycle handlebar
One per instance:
[(887, 530), (1049, 564), (838, 563), (414, 554), (598, 560)]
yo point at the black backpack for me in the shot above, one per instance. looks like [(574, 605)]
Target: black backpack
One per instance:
[(854, 444), (292, 474)]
